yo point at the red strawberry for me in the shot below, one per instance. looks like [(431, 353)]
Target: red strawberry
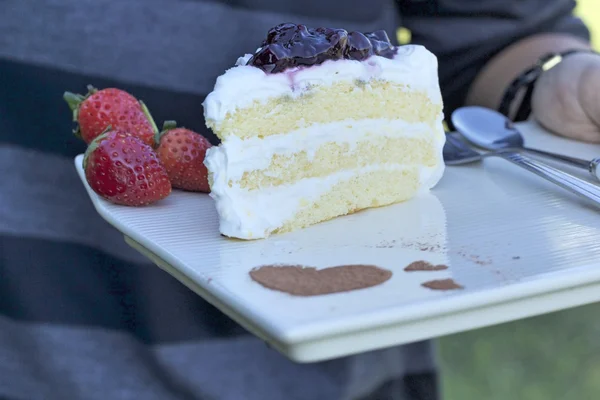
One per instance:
[(99, 109), (182, 153), (124, 170)]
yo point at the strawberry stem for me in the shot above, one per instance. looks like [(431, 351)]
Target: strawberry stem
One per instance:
[(167, 126), (149, 116), (91, 90), (94, 145), (73, 100)]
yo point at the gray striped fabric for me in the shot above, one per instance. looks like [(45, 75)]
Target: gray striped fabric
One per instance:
[(174, 44), (83, 316), (58, 213), (47, 361)]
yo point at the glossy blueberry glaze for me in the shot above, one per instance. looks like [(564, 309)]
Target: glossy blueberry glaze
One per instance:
[(289, 45)]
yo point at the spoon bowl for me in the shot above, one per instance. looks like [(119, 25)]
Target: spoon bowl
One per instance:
[(456, 152), (486, 128), (492, 130)]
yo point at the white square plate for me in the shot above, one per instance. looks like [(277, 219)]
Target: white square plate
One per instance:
[(520, 246)]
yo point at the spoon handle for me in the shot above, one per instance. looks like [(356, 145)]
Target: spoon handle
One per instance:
[(566, 181), (576, 162), (591, 166)]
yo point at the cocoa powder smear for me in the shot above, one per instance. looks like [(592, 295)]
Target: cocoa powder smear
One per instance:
[(424, 266), (300, 280), (442, 284)]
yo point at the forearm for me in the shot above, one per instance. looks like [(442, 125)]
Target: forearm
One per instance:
[(489, 85)]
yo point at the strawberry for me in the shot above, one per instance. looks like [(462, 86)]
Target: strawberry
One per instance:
[(182, 153), (123, 169), (99, 109)]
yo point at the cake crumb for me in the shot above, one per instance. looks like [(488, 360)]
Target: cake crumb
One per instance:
[(424, 246), (474, 258), (386, 244)]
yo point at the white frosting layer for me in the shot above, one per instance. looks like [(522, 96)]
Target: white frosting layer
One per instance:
[(253, 214), (255, 153), (413, 66)]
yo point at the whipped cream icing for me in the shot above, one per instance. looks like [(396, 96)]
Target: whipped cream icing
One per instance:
[(242, 85), (254, 214)]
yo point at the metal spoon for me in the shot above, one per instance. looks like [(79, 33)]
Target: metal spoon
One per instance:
[(456, 152), (491, 130)]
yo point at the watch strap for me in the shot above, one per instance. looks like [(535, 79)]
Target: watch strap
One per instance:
[(527, 79)]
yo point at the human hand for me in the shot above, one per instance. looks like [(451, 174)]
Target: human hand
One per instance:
[(566, 98)]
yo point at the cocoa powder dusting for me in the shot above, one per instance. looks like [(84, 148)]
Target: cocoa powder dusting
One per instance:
[(423, 246), (299, 280), (386, 245), (442, 284), (474, 258), (424, 266)]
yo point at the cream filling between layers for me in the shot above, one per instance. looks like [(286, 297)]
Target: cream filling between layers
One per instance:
[(244, 155), (253, 214)]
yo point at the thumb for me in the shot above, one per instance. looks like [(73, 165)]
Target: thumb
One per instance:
[(589, 91), (558, 97)]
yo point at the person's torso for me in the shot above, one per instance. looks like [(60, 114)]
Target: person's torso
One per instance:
[(180, 45)]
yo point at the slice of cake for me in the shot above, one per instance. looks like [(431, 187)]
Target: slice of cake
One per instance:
[(320, 123)]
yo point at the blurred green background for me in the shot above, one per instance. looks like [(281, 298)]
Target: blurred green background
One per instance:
[(552, 357)]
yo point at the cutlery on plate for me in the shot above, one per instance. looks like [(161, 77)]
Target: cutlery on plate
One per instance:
[(490, 130), (457, 152)]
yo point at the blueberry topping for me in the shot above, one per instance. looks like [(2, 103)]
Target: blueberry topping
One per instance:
[(359, 46), (289, 45), (281, 33), (381, 44)]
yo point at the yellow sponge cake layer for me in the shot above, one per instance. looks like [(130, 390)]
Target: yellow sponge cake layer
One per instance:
[(364, 190), (332, 157), (321, 105)]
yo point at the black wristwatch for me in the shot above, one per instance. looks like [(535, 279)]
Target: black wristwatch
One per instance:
[(527, 81)]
